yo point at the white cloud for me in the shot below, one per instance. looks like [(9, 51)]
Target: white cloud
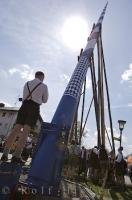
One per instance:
[(121, 106), (88, 82), (129, 104), (90, 139), (127, 75), (3, 73), (25, 71)]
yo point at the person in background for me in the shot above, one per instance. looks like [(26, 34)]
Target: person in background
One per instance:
[(111, 168), (120, 169), (82, 164), (103, 159), (94, 164), (73, 159), (35, 93), (131, 173)]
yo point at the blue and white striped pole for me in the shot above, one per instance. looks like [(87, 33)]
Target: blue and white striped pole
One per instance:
[(47, 163)]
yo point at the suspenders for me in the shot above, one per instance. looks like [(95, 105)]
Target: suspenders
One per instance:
[(31, 91)]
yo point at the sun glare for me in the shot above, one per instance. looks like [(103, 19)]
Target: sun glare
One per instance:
[(75, 32)]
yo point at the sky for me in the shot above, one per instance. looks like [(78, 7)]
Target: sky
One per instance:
[(48, 36)]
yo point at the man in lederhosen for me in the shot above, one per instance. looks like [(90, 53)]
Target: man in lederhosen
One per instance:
[(35, 93)]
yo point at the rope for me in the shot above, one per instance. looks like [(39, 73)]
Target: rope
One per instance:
[(108, 98)]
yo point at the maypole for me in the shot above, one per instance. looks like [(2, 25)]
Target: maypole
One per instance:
[(47, 163)]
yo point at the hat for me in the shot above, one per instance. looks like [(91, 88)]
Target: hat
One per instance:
[(120, 149)]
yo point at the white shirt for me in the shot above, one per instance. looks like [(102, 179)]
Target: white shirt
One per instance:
[(119, 157), (39, 95)]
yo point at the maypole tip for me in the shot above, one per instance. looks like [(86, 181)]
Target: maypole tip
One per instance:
[(106, 4)]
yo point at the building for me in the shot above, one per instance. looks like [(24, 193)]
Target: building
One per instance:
[(8, 117)]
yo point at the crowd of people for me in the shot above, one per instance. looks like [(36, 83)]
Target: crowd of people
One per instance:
[(96, 164)]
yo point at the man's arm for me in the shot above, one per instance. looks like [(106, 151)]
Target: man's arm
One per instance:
[(45, 94)]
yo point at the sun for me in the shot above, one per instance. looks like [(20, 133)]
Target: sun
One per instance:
[(74, 32)]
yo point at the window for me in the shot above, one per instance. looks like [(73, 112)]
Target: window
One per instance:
[(10, 114), (0, 124), (3, 114)]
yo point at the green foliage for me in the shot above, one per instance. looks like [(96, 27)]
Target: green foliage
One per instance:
[(111, 193)]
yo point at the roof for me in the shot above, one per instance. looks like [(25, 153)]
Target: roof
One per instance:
[(9, 108)]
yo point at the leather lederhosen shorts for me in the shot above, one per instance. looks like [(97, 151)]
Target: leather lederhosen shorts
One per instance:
[(28, 113)]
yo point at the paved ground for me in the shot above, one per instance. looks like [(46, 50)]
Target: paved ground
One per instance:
[(76, 191)]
